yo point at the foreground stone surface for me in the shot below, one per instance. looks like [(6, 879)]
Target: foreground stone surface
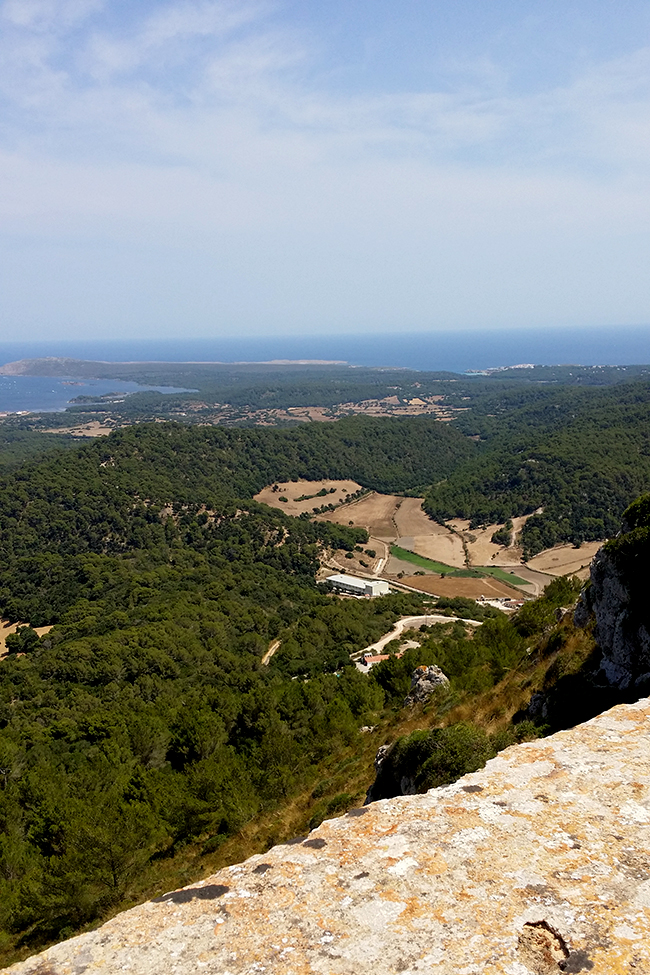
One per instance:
[(539, 863)]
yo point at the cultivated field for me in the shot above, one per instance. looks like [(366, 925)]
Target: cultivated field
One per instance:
[(471, 588), (566, 560), (92, 429), (374, 512), (389, 519), (411, 519), (418, 533)]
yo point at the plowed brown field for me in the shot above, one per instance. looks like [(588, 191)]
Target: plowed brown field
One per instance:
[(375, 513), (450, 586), (565, 559)]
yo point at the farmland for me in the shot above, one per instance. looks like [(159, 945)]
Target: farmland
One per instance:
[(402, 536), (455, 586)]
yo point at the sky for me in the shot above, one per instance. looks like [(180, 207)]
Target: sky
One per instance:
[(199, 168)]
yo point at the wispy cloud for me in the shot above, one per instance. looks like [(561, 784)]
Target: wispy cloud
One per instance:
[(53, 16), (188, 64), (211, 121)]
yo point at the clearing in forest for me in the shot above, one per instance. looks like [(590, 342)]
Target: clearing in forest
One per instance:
[(396, 521), (508, 577), (294, 497), (7, 628), (374, 512)]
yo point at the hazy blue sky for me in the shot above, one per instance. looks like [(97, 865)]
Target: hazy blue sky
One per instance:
[(190, 167)]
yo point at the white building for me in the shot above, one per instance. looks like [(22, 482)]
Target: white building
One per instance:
[(359, 587)]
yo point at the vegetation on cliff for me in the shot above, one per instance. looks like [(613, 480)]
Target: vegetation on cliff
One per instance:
[(474, 664)]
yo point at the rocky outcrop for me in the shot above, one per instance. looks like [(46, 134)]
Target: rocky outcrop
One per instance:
[(621, 631), (617, 600), (424, 682), (536, 864)]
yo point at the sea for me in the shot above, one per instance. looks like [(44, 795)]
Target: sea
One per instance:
[(459, 352)]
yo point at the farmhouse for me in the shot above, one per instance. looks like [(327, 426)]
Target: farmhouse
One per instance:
[(369, 660), (359, 587)]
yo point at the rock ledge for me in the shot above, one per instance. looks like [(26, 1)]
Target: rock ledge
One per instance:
[(539, 863)]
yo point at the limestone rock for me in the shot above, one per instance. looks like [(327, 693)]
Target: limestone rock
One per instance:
[(424, 682), (539, 863), (380, 757), (622, 627)]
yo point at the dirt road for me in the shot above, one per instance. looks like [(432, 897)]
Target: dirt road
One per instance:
[(409, 623), (269, 653)]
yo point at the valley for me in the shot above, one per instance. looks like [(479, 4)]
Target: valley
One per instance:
[(397, 523)]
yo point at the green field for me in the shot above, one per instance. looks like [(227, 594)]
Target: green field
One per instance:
[(440, 567), (502, 575), (443, 569)]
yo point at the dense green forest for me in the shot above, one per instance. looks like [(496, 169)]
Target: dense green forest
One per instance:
[(144, 720), (147, 488), (19, 445), (581, 455)]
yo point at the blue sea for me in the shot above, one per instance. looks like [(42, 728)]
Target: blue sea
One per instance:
[(40, 394), (432, 351)]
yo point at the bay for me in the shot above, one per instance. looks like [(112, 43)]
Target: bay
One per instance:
[(41, 394), (455, 351), (430, 351)]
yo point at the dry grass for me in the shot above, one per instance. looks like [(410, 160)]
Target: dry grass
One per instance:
[(292, 490), (566, 560), (7, 628), (494, 709), (374, 512), (92, 429), (441, 546), (412, 520)]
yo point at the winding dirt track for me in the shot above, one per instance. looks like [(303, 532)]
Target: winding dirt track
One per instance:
[(409, 623)]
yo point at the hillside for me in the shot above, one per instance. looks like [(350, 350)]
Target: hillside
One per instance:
[(142, 740), (567, 446), (534, 865)]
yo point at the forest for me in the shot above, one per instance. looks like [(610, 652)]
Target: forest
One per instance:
[(144, 721), (143, 724), (579, 455)]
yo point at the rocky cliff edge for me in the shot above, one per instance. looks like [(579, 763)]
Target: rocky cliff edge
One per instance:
[(616, 597), (539, 863)]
